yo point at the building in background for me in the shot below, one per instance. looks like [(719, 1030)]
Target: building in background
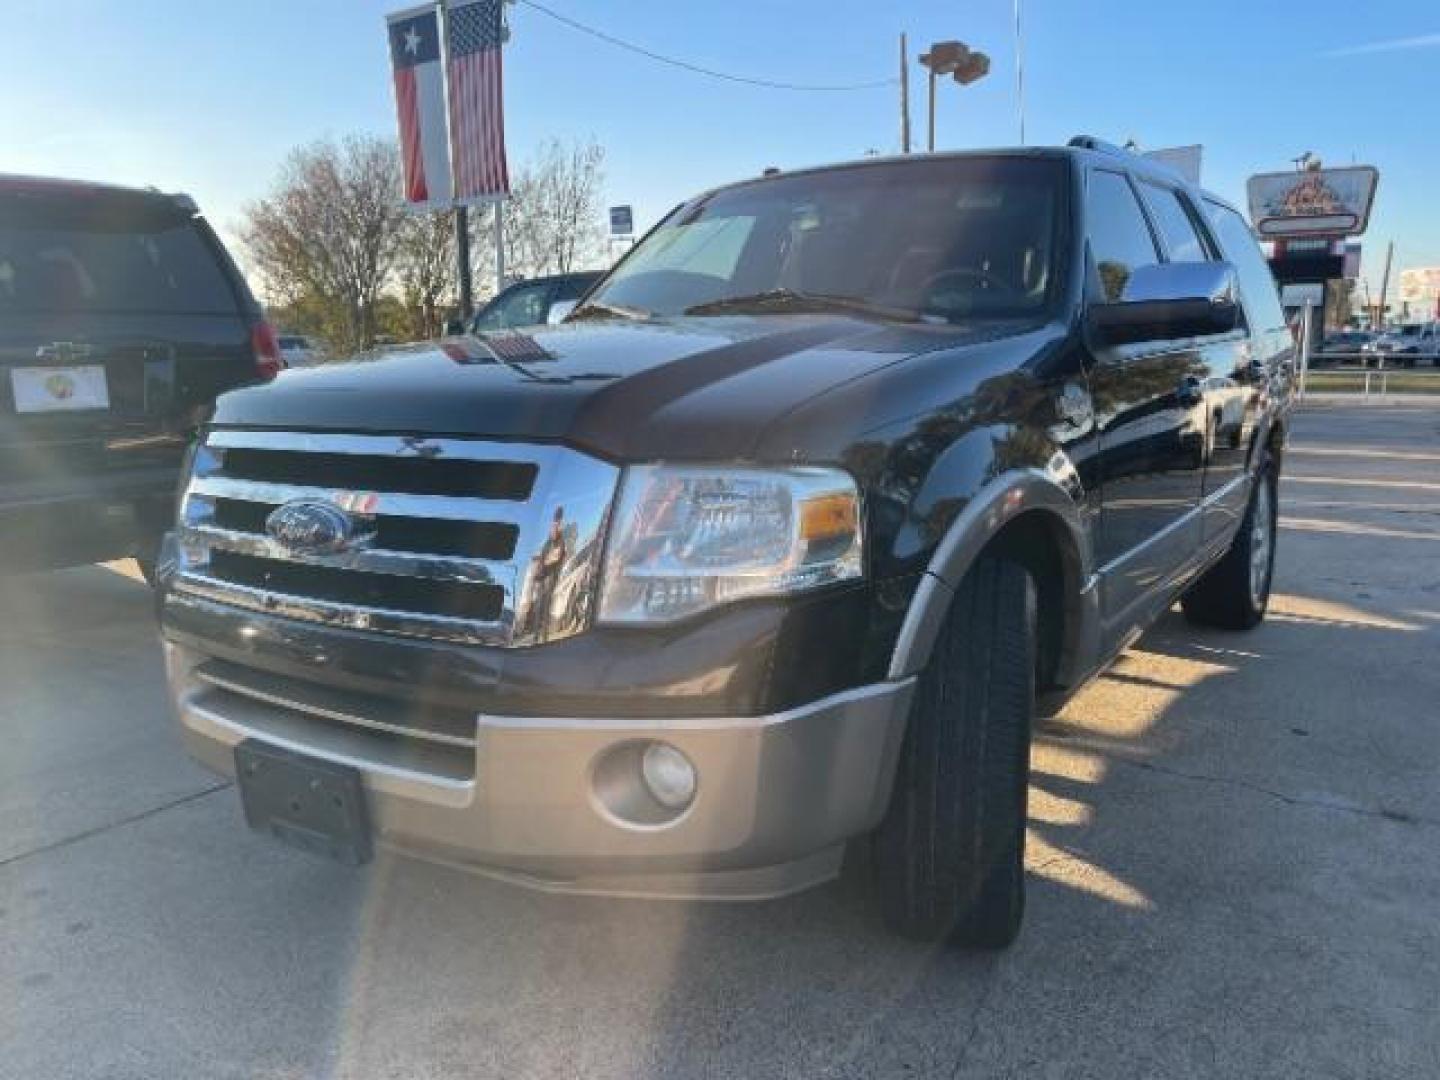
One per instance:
[(1419, 294)]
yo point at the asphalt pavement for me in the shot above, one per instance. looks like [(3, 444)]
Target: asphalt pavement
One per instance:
[(1234, 869)]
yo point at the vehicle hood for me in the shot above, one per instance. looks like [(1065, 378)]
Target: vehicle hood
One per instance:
[(702, 388)]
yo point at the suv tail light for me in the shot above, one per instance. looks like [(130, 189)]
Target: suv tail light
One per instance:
[(268, 361)]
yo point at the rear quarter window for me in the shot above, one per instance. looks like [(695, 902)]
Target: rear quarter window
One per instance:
[(1182, 240), (1257, 284), (57, 258)]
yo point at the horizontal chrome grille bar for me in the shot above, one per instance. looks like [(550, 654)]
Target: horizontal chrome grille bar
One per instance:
[(384, 446), (462, 540), (444, 507), (456, 568), (344, 616)]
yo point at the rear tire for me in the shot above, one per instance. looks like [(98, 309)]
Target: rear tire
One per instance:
[(949, 856), (1234, 593)]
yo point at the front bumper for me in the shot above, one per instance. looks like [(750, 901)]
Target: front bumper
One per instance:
[(529, 797)]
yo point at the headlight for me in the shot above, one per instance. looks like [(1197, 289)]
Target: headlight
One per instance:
[(685, 539)]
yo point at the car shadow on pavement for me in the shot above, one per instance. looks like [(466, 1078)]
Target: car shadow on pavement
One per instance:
[(1183, 809)]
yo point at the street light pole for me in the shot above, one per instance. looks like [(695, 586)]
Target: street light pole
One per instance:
[(956, 59), (930, 141)]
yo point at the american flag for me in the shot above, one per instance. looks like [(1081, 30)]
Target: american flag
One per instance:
[(514, 348), (477, 106)]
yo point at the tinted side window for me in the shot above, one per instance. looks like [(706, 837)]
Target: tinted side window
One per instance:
[(1257, 284), (570, 288), (524, 306), (1181, 239), (1119, 237)]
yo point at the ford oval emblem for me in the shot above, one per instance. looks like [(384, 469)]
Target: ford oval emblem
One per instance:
[(310, 527)]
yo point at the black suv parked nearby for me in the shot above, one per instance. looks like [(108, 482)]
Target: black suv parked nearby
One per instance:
[(121, 319), (776, 545), (530, 302)]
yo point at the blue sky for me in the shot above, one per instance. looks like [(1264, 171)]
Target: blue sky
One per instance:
[(208, 96)]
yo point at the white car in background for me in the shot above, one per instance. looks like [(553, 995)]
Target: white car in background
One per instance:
[(299, 351), (1405, 346)]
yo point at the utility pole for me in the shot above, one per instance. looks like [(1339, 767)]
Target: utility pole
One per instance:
[(904, 97), (462, 258), (1384, 287)]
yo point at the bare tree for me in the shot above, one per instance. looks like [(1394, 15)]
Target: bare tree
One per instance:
[(333, 239), (552, 218), (425, 268), (327, 236)]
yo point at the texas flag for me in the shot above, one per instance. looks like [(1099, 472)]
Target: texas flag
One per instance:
[(420, 101)]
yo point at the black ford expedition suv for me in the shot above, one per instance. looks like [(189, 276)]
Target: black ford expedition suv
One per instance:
[(776, 544), (121, 320)]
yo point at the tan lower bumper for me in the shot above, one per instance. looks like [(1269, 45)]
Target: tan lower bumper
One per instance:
[(776, 799)]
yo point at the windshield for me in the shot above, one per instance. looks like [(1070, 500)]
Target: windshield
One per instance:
[(937, 240)]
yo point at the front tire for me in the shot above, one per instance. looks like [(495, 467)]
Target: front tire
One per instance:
[(950, 853), (1234, 593)]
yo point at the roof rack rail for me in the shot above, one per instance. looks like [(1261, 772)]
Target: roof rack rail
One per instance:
[(1090, 142)]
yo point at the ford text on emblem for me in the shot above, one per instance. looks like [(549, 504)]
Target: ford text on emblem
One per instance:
[(310, 527)]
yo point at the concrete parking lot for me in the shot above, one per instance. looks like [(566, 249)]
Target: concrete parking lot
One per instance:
[(1234, 860)]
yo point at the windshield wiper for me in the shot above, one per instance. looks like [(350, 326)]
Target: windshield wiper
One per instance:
[(789, 299), (594, 309)]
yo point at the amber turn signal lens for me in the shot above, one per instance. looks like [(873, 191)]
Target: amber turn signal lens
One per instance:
[(828, 516)]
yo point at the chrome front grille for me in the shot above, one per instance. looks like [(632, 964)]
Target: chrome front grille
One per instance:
[(453, 539)]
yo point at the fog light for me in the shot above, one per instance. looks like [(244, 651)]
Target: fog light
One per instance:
[(669, 775)]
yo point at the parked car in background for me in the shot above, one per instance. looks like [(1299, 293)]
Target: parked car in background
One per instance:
[(770, 547), (534, 302), (1341, 347), (299, 351), (122, 318), (1406, 346)]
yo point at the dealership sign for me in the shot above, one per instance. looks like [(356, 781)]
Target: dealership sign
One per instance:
[(1314, 202)]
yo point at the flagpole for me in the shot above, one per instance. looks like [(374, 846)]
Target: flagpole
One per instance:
[(499, 245), (462, 257), (500, 202), (462, 213)]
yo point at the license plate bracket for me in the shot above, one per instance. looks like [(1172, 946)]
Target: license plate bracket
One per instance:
[(307, 802)]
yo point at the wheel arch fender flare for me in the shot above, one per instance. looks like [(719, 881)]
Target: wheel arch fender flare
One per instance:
[(1001, 502)]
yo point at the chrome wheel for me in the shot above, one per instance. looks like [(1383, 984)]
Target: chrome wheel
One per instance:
[(1262, 542)]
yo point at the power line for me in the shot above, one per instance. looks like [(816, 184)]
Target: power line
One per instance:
[(696, 68)]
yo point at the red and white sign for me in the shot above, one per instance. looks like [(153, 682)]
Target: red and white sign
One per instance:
[(1313, 202), (420, 104)]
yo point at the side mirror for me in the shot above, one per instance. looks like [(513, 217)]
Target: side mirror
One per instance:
[(1169, 301), (559, 311)]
